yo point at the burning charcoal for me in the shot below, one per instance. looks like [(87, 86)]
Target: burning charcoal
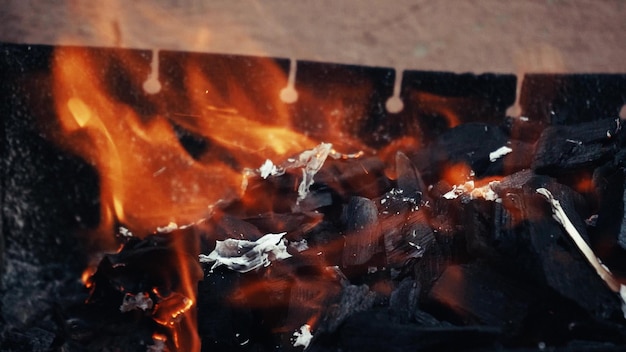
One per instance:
[(476, 294), (566, 148), (470, 143), (148, 269), (409, 178), (410, 241), (534, 246), (359, 177), (362, 231)]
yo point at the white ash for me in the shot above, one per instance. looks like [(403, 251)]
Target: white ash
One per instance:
[(485, 192), (561, 217), (498, 153), (172, 226), (303, 336), (268, 168), (311, 161), (140, 301), (244, 256), (124, 232)]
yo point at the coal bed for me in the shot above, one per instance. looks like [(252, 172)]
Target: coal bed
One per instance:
[(444, 226)]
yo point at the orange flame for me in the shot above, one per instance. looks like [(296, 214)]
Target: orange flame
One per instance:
[(147, 177)]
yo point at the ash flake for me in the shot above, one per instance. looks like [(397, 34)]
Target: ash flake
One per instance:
[(498, 153), (172, 226), (244, 256), (140, 301), (485, 192), (303, 336)]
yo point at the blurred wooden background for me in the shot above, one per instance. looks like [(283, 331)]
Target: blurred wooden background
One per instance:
[(450, 35)]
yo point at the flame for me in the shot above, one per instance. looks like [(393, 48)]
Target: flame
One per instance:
[(146, 176), (147, 179)]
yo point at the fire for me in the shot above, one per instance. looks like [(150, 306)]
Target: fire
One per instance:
[(148, 178)]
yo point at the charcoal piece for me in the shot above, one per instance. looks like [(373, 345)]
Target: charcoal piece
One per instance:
[(362, 231), (34, 339), (222, 324), (295, 224), (353, 299), (409, 242), (409, 178), (527, 182), (312, 294), (476, 294), (608, 232), (524, 128), (479, 227), (430, 266), (562, 149), (363, 177), (394, 208), (319, 196), (471, 144), (506, 162), (535, 247), (222, 226), (374, 330), (403, 302)]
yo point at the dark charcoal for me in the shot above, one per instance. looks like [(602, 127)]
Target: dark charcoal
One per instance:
[(607, 230), (353, 299), (469, 143), (403, 302), (562, 149), (534, 246), (477, 295), (409, 179), (362, 231)]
